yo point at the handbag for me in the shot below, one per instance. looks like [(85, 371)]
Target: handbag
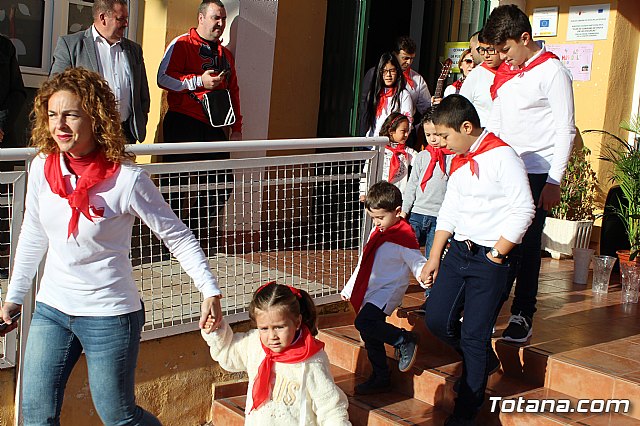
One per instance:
[(217, 107)]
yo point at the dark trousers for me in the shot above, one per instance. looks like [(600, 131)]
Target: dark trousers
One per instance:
[(201, 212), (469, 281), (526, 257), (375, 331), (126, 129)]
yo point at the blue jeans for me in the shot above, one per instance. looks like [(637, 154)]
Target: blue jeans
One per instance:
[(111, 346), (425, 228), (375, 331), (467, 280)]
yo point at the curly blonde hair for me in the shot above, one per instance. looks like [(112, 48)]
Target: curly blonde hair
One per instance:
[(97, 101)]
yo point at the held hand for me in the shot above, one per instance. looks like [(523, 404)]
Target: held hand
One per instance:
[(211, 314), (403, 215), (343, 297), (430, 271), (209, 81), (435, 101), (9, 308), (549, 197)]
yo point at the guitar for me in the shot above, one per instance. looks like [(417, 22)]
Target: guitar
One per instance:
[(446, 68)]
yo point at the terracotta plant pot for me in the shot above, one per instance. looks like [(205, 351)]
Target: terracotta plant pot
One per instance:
[(623, 256)]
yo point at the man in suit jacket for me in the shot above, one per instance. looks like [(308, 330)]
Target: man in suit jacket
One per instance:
[(104, 49)]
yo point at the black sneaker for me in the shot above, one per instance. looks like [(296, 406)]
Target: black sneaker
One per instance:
[(373, 385), (406, 352), (493, 366), (454, 420), (519, 329)]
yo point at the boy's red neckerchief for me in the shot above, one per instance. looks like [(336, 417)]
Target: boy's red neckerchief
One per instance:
[(489, 142), (505, 73), (401, 233)]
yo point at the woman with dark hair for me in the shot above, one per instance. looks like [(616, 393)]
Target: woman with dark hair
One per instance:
[(387, 94), (83, 195)]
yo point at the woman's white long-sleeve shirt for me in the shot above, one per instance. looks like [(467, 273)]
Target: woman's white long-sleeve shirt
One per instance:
[(306, 386), (493, 203), (403, 106), (90, 273)]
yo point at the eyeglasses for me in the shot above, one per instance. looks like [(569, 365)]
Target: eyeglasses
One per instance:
[(487, 50), (468, 61), (391, 71)]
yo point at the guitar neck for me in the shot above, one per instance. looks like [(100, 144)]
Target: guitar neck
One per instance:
[(439, 88)]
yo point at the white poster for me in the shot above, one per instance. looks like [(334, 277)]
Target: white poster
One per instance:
[(576, 57), (545, 21), (589, 22)]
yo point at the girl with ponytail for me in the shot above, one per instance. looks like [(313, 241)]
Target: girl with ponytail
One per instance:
[(289, 375)]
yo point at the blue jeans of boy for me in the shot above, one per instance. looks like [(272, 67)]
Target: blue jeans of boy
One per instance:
[(375, 331), (425, 228), (467, 280), (111, 346)]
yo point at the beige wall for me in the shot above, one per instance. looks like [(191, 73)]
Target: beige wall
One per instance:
[(297, 69), (607, 98)]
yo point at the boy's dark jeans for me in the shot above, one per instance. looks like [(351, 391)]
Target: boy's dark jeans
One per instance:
[(467, 280), (526, 257), (375, 331)]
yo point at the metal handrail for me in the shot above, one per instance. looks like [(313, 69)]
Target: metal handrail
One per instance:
[(18, 154)]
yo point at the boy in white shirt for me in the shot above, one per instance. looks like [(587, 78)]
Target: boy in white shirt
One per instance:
[(488, 206), (533, 112), (379, 282), (477, 85)]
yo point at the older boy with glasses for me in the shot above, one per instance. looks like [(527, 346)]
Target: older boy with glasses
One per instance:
[(476, 86)]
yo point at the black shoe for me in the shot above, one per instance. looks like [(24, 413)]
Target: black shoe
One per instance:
[(406, 352), (493, 366), (454, 420), (4, 274), (373, 385), (422, 310), (519, 329)]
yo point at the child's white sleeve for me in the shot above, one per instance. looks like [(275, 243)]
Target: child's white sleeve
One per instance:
[(409, 195), (348, 287), (327, 399), (414, 260), (228, 348)]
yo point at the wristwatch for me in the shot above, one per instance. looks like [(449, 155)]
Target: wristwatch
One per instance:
[(496, 254)]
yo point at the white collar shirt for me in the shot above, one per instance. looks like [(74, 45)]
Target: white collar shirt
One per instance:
[(114, 67)]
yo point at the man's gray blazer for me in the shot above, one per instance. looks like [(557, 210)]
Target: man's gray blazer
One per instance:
[(78, 50)]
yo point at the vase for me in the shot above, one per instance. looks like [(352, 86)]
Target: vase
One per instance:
[(602, 266), (630, 282), (581, 261)]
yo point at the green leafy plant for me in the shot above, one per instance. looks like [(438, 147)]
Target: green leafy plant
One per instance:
[(625, 159), (578, 189)]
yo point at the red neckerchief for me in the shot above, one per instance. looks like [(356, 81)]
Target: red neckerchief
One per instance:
[(384, 96), (401, 233), (99, 170), (407, 76), (505, 73), (394, 165), (437, 157), (488, 68), (458, 84), (304, 348), (489, 142)]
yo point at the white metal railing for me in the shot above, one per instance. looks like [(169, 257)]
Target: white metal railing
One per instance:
[(292, 218)]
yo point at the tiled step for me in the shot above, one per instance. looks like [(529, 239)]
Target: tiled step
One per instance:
[(604, 371), (512, 418)]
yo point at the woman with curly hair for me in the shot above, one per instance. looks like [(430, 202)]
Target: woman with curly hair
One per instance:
[(83, 196)]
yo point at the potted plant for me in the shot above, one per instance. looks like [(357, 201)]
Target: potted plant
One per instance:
[(625, 159), (570, 223)]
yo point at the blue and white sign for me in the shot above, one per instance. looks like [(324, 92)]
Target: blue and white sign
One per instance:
[(545, 21)]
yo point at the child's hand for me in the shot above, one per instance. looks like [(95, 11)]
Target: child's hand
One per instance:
[(362, 198), (208, 325), (430, 271), (403, 214), (343, 297)]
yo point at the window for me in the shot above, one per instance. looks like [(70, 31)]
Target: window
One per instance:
[(35, 25)]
